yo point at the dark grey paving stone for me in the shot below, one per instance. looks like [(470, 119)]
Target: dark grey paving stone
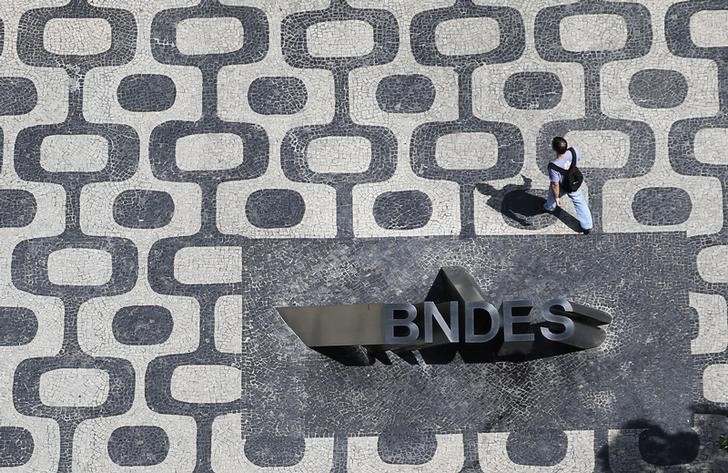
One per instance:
[(658, 88), (274, 450), (412, 93), (402, 210), (406, 446), (18, 326), (18, 95), (146, 93), (533, 90), (142, 325), (17, 208), (538, 447), (661, 206), (277, 95), (16, 446), (275, 208), (141, 208), (138, 445), (290, 391)]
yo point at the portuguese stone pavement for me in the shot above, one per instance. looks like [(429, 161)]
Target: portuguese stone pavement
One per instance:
[(173, 170)]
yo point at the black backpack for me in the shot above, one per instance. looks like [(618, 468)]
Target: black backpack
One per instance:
[(572, 176)]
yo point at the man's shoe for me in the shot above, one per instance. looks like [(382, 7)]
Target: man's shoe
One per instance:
[(586, 232)]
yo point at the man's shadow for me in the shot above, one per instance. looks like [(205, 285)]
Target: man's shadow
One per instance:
[(522, 208), (644, 446)]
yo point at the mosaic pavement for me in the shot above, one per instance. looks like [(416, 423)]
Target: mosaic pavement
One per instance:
[(172, 170)]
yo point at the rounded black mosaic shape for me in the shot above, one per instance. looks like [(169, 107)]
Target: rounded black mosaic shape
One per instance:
[(163, 154), (678, 30), (18, 326), (661, 206), (658, 88), (275, 208), (413, 93), (138, 445), (146, 93), (423, 151), (409, 447), (533, 90), (403, 210), (255, 35), (17, 208), (423, 33), (18, 95), (16, 446), (31, 37), (27, 397), (140, 208), (547, 32), (122, 144), (662, 448), (277, 95), (29, 270), (538, 447), (142, 325), (274, 450), (294, 39)]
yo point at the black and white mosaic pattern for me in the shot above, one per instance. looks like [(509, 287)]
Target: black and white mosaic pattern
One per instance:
[(172, 170)]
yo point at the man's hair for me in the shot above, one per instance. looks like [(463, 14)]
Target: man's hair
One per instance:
[(559, 145)]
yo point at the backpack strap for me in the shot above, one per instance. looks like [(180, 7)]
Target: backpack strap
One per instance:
[(573, 157), (557, 169), (562, 170)]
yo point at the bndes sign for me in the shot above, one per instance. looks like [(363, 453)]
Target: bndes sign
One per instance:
[(457, 312), (557, 313)]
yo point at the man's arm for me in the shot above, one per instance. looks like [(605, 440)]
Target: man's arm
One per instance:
[(555, 190)]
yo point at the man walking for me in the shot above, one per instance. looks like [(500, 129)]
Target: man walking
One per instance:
[(566, 179)]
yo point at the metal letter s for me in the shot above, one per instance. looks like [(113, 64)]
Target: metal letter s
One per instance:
[(566, 322)]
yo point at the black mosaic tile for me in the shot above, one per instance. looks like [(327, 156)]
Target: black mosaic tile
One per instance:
[(18, 95), (275, 208), (403, 210), (538, 447), (18, 326), (274, 451), (16, 446), (142, 325), (17, 208), (146, 93), (657, 88), (661, 206), (405, 93), (533, 90), (277, 95), (139, 445), (406, 446), (140, 208)]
